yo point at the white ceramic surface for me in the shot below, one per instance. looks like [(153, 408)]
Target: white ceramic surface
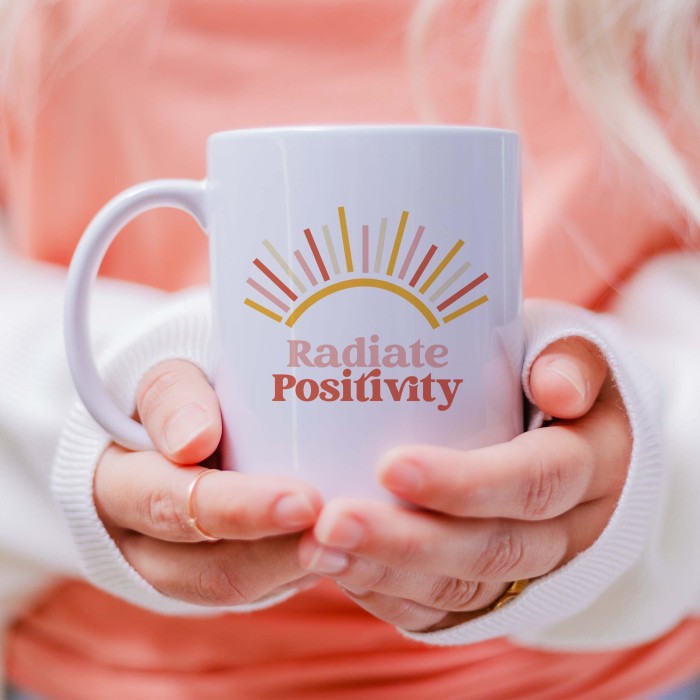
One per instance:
[(407, 238)]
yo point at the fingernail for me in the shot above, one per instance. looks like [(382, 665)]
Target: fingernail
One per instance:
[(294, 510), (571, 373), (184, 426), (327, 561), (402, 477), (344, 532), (353, 590)]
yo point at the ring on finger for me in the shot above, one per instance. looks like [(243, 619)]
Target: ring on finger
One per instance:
[(191, 510)]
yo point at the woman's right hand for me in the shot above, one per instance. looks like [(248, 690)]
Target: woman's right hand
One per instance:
[(142, 499)]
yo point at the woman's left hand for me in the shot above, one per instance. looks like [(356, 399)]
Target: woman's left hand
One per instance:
[(487, 517)]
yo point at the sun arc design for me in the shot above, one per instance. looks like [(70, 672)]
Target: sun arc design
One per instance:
[(290, 296)]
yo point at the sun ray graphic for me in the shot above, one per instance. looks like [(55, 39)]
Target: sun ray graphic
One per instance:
[(285, 288)]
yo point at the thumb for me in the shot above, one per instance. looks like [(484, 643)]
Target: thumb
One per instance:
[(566, 378), (180, 411)]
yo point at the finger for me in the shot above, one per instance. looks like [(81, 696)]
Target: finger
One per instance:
[(144, 492), (479, 550), (538, 475), (180, 411), (224, 573), (427, 611), (566, 378), (407, 614), (361, 576), (402, 613)]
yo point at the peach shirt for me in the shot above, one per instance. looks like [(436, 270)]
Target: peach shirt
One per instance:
[(104, 95)]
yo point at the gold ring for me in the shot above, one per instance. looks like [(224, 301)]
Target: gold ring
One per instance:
[(513, 591), (191, 512)]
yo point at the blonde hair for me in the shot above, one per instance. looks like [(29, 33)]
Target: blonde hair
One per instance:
[(599, 46)]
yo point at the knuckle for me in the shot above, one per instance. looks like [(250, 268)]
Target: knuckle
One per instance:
[(453, 594), (166, 515), (157, 384), (373, 578), (408, 551), (399, 612), (216, 584), (501, 555), (547, 486)]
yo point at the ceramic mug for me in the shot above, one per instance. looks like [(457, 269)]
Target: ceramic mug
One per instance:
[(366, 292)]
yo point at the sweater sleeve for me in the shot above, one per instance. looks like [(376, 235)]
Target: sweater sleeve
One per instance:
[(642, 576), (49, 443), (36, 395), (177, 329)]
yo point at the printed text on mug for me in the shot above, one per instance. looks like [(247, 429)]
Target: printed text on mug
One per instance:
[(353, 384)]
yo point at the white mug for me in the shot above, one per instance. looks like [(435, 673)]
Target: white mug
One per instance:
[(366, 288)]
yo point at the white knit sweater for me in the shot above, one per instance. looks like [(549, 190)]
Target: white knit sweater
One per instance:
[(636, 582)]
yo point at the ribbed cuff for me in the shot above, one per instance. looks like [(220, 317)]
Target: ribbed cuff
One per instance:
[(570, 589), (180, 330)]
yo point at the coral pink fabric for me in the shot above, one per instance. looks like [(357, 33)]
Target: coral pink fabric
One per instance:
[(83, 645), (105, 94)]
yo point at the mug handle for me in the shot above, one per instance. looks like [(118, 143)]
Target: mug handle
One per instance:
[(188, 195)]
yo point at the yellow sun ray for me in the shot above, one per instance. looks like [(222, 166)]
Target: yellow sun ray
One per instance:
[(443, 264), (397, 244), (346, 238), (262, 310), (465, 309), (362, 282)]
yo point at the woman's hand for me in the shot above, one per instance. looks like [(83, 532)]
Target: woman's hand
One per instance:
[(489, 516), (142, 498)]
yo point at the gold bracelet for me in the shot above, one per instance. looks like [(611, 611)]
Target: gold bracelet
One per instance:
[(513, 591)]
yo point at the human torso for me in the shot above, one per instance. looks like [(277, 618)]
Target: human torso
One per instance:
[(138, 101)]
